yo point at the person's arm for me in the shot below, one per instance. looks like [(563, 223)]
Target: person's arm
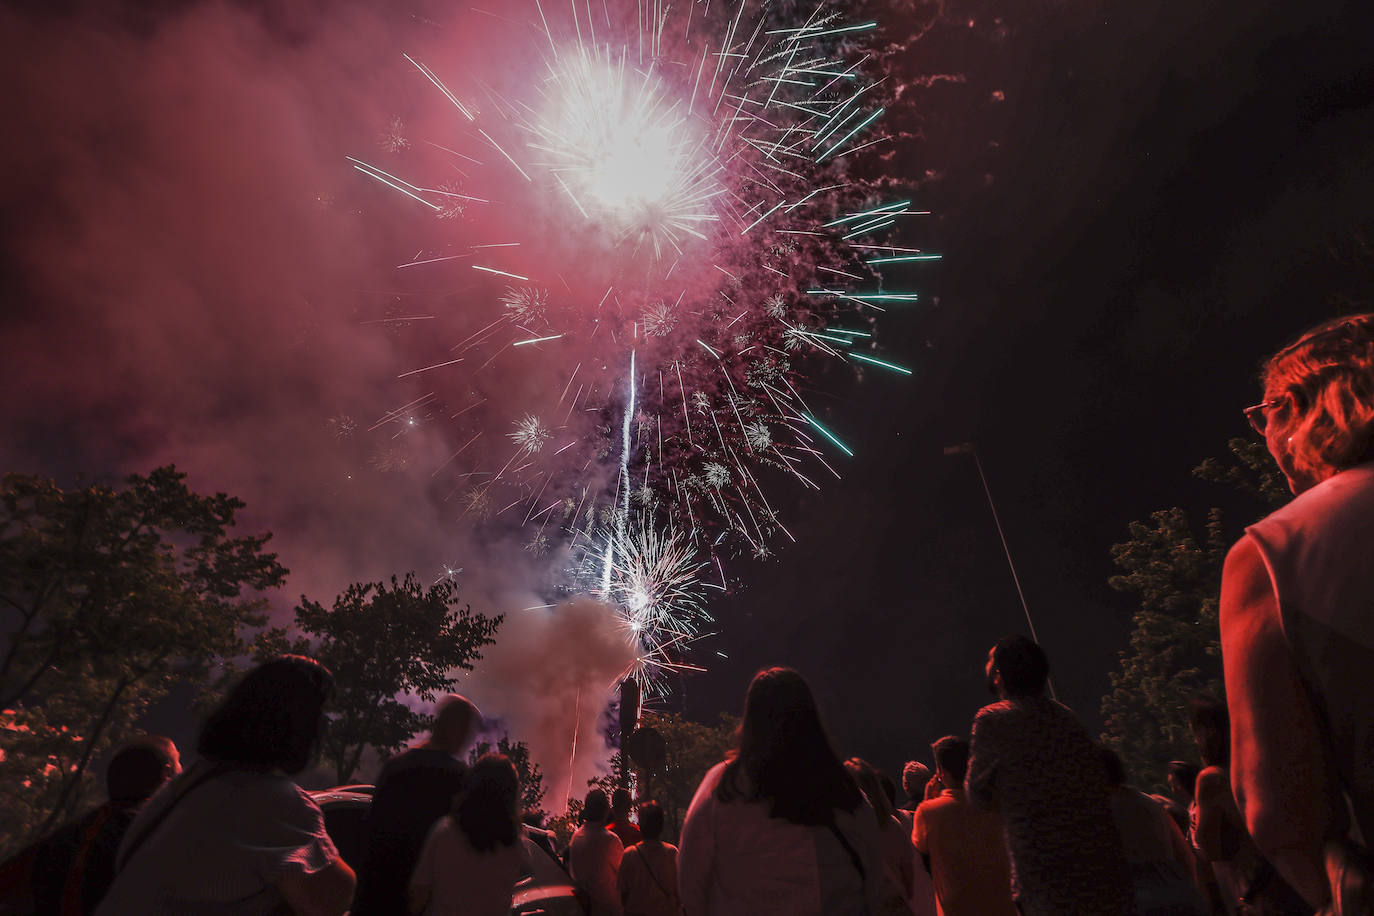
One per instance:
[(327, 892), (1278, 766), (1212, 791), (421, 887), (697, 848), (1183, 853), (980, 783)]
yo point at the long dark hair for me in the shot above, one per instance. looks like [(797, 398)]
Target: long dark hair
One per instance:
[(486, 807), (272, 718), (784, 757)]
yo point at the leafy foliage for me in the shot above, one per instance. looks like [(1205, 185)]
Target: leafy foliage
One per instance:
[(1175, 644), (382, 643), (531, 776), (108, 597)]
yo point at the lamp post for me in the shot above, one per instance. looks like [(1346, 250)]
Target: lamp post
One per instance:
[(967, 448)]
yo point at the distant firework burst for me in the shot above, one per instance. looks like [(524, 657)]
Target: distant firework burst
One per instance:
[(658, 219)]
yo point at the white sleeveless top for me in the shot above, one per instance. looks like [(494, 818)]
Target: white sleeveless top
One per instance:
[(1320, 553)]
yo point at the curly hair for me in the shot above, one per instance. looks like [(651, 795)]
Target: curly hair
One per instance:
[(485, 808), (1329, 373)]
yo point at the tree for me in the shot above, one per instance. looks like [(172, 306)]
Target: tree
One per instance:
[(531, 776), (1175, 642), (383, 643), (107, 597)]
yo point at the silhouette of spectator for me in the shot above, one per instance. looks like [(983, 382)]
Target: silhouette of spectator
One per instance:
[(1160, 859), (779, 827), (414, 789), (234, 834), (621, 803), (1182, 780), (1297, 634), (915, 777), (648, 872), (1248, 881), (74, 867), (472, 856), (965, 848), (594, 856), (906, 890), (1034, 764)]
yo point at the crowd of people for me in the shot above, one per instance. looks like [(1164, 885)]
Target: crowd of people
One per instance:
[(1027, 814)]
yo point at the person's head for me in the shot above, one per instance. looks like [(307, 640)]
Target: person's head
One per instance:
[(651, 821), (1183, 778), (486, 808), (140, 766), (951, 760), (272, 719), (784, 756), (1317, 416), (621, 802), (915, 775), (1211, 730), (1017, 667), (455, 722), (596, 809), (1113, 767), (866, 778)]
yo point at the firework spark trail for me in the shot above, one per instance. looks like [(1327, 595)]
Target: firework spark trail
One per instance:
[(642, 166)]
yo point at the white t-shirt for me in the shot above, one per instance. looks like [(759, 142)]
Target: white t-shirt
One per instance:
[(736, 859), (222, 848), (462, 880), (594, 861)]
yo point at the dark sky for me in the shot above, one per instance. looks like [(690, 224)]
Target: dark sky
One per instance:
[(1136, 202)]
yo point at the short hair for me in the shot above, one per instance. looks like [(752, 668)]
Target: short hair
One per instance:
[(951, 755), (456, 716), (1329, 372), (621, 800), (1186, 774), (1023, 665), (485, 809), (272, 718), (1113, 767), (1211, 725), (915, 775), (651, 820), (596, 807), (139, 767)]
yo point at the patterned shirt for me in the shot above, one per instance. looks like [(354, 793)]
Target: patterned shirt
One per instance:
[(1034, 763)]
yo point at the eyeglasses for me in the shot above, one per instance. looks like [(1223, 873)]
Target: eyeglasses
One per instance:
[(1257, 416)]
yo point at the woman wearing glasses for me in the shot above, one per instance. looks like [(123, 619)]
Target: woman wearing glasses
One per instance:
[(1297, 617)]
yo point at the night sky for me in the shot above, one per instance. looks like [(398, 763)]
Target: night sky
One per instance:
[(1136, 203)]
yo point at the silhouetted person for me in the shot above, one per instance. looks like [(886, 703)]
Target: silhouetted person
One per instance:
[(1244, 875), (414, 789), (1160, 859), (915, 776), (75, 866), (594, 856), (621, 803), (472, 857), (234, 835), (779, 827), (648, 870), (907, 890), (1297, 632), (1034, 764), (965, 847)]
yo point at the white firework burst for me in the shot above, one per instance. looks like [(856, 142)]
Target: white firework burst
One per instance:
[(451, 202), (716, 474), (701, 402), (525, 304), (394, 138), (659, 320), (759, 435), (530, 434), (775, 305)]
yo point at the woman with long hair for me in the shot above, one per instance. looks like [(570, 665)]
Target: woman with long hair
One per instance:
[(473, 856), (1297, 632), (779, 827), (234, 835)]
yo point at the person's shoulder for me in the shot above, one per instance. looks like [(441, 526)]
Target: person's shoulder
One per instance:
[(996, 712), (1212, 781)]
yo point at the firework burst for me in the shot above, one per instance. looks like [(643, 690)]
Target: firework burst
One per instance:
[(687, 181)]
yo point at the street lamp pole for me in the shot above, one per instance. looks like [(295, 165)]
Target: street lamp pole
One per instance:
[(967, 448)]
